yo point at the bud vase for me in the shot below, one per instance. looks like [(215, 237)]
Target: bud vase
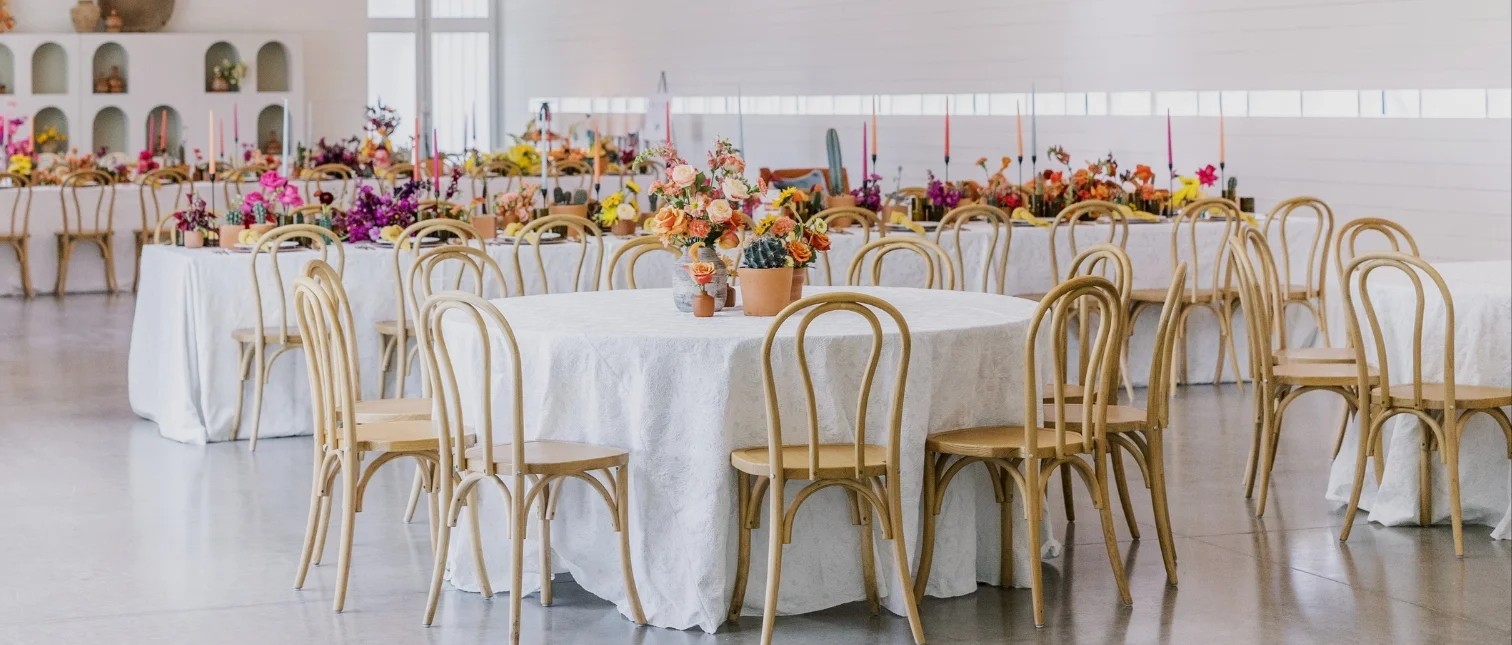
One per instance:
[(683, 287)]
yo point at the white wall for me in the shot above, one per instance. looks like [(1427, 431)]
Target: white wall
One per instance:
[(334, 36), (1446, 179)]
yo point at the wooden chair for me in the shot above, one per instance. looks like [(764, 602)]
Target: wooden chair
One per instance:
[(782, 174), (234, 179), (1277, 385), (394, 335), (253, 342), (1039, 448), (580, 227), (311, 214), (1111, 262), (569, 169), (1215, 297), (341, 443), (316, 177), (18, 236), (496, 168), (1309, 293), (98, 229), (1002, 228), (936, 261), (867, 472), (526, 473), (868, 220), (632, 252), (1443, 407), (151, 187), (389, 178)]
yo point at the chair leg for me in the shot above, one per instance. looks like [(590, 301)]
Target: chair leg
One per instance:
[(927, 518), (414, 496), (1110, 537), (65, 254), (545, 544), (1362, 448), (322, 528), (1033, 509), (743, 554), (443, 546), (244, 370), (1269, 446), (350, 468), (775, 531), (316, 501), (257, 390), (1155, 459), (25, 260), (1066, 494), (1450, 448), (477, 540), (519, 514), (108, 256), (1425, 479), (900, 558), (136, 263), (1121, 481), (622, 510), (1005, 532), (861, 516), (1257, 436)]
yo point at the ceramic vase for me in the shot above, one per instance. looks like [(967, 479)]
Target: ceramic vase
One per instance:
[(703, 305), (194, 239), (765, 292), (219, 84), (86, 16), (684, 288)]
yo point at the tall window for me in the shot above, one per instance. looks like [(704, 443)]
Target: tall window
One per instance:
[(455, 42)]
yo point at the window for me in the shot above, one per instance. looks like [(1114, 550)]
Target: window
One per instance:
[(456, 41)]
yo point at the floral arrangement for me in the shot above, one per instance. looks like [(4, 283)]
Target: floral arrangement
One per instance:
[(869, 195), (50, 139), (343, 151), (520, 204), (709, 207), (614, 209), (940, 193), (195, 218), (799, 241), (371, 212), (145, 163), (1140, 191), (382, 119), (231, 74), (257, 206)]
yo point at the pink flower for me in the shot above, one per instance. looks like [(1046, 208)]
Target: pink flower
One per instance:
[(272, 181), (250, 201), (1207, 176), (290, 197), (699, 228), (783, 226)]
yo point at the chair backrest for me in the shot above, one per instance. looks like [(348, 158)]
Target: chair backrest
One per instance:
[(1101, 297), (582, 228), (565, 168), (480, 322), (811, 308), (939, 272), (632, 252), (317, 176), (390, 176), (233, 179), (270, 244), (1002, 227), (1356, 286), (1253, 298), (1346, 243), (103, 218), (328, 345), (868, 219), (407, 250), (450, 267), (496, 168), (153, 188), (1083, 214), (329, 280), (1158, 396), (1221, 210), (1102, 260), (1316, 272), (20, 193)]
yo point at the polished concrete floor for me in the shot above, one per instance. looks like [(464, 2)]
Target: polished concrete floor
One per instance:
[(110, 534)]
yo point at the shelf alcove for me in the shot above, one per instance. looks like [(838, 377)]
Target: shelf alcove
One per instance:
[(109, 58), (270, 127), (49, 68), (154, 125), (110, 130), (51, 118), (221, 53), (7, 71), (272, 68)]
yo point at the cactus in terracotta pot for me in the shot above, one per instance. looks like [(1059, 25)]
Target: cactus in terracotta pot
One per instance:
[(766, 253), (836, 167)]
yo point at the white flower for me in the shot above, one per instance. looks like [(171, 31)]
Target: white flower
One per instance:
[(719, 211), (735, 189), (625, 213), (684, 175)]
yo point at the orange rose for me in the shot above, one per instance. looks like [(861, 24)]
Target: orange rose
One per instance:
[(799, 252), (820, 241), (670, 221), (729, 239), (702, 272)]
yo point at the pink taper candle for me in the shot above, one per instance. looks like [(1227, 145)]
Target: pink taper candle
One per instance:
[(865, 170), (1170, 151)]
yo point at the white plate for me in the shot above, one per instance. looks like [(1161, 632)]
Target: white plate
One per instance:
[(424, 241), (546, 238), (286, 244)]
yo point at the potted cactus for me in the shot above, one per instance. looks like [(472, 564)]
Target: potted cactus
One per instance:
[(766, 278), (231, 227), (836, 185)]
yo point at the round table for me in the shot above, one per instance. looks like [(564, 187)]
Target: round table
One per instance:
[(623, 368), (1482, 293)]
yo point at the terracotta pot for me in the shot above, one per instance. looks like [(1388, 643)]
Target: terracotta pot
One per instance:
[(799, 276), (511, 218), (837, 201), (86, 16), (487, 225), (580, 210), (730, 297), (703, 305), (261, 229), (624, 228), (765, 292), (230, 235), (219, 84), (113, 22), (194, 239)]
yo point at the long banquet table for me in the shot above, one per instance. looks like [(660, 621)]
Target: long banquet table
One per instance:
[(680, 393), (1482, 293), (183, 363)]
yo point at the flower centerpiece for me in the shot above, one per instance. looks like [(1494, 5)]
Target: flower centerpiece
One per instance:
[(1140, 192), (372, 212), (940, 198), (617, 214), (702, 209), (869, 194), (702, 274), (194, 221), (50, 140), (227, 76), (344, 151), (516, 207), (259, 208), (801, 244)]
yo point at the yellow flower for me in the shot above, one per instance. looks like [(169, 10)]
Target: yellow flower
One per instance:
[(634, 187), (20, 164), (390, 234), (765, 224), (786, 196), (612, 201)]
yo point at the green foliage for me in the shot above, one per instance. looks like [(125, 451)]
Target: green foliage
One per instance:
[(579, 197), (766, 253), (836, 168)]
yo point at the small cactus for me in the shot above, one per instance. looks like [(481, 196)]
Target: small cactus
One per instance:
[(234, 217), (1232, 192), (836, 167), (766, 253), (579, 197), (559, 196)]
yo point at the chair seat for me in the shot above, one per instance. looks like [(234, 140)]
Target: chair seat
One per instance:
[(836, 461), (1071, 391), (387, 410), (1121, 418), (396, 436), (551, 457), (998, 441), (1031, 296), (1466, 397), (1159, 295), (270, 335), (391, 327), (1320, 374), (1314, 355)]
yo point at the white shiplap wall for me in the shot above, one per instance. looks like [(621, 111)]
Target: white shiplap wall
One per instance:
[(1446, 179)]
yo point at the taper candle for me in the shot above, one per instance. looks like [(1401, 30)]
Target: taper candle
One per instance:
[(1170, 149), (865, 169), (668, 124), (1018, 109), (221, 149), (212, 143), (287, 132), (151, 133), (235, 126), (163, 132), (874, 127), (947, 129), (1222, 143), (1033, 122)]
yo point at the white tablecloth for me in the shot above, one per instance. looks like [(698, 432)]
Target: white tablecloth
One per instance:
[(625, 369), (1482, 293), (183, 361)]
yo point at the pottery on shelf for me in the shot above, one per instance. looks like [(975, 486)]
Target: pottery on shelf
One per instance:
[(102, 85), (218, 84), (140, 15), (274, 145), (113, 22), (116, 82), (86, 16)]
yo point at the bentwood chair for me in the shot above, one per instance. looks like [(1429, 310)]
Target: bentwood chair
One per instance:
[(868, 473), (939, 272), (997, 255), (391, 176), (280, 336), (497, 168), (833, 218), (317, 177), (533, 235), (97, 228), (1214, 296), (1082, 215), (1442, 407), (394, 348), (525, 473), (234, 180), (154, 188), (1309, 291), (632, 252), (1277, 385), (313, 214), (17, 237), (341, 443), (569, 168), (1038, 447)]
